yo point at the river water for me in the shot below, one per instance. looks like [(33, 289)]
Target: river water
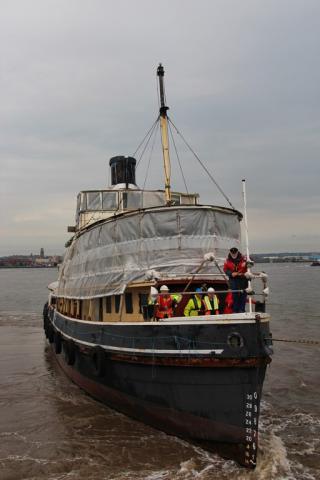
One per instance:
[(50, 429)]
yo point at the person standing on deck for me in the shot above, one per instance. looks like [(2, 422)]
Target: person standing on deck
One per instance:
[(211, 302), (152, 299), (235, 267), (164, 304), (195, 305)]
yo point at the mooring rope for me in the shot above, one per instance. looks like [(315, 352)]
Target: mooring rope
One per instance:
[(307, 342)]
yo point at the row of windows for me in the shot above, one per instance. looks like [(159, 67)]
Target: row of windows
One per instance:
[(111, 200), (112, 304), (143, 300), (117, 299)]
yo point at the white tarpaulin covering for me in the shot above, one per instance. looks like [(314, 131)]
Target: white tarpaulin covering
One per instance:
[(105, 258)]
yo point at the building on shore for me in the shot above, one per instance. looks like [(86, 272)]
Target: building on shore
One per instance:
[(30, 261)]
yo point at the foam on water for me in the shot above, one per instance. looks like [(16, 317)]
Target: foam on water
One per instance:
[(162, 475)]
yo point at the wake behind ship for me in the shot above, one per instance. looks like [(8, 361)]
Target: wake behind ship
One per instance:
[(118, 318)]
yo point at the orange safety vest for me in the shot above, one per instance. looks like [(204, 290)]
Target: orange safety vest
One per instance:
[(164, 307)]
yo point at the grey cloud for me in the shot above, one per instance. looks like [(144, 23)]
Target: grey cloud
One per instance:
[(78, 86)]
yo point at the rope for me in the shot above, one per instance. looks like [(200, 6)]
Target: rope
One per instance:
[(144, 138), (88, 221), (149, 161), (150, 133), (307, 342), (148, 140), (174, 144), (203, 166)]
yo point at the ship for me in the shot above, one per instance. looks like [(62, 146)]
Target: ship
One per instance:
[(198, 377)]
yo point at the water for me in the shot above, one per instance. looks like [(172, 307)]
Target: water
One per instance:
[(50, 429)]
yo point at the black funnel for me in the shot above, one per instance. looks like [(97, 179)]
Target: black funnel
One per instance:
[(123, 170)]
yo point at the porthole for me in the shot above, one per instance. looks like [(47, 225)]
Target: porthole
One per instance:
[(235, 340)]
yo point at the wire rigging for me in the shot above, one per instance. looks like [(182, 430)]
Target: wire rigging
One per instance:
[(151, 152), (148, 139), (201, 163), (151, 133), (180, 166), (146, 135)]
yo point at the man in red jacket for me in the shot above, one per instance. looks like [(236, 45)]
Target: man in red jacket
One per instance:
[(235, 267), (164, 303)]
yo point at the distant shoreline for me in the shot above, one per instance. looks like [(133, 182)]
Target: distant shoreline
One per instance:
[(279, 260), (26, 266)]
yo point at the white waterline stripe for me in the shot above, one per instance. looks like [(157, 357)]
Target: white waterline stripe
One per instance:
[(224, 319)]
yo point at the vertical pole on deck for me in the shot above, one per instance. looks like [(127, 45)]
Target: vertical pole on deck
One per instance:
[(246, 235), (164, 135)]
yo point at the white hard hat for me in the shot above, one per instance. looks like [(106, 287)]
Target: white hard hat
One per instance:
[(164, 288), (210, 289), (153, 291)]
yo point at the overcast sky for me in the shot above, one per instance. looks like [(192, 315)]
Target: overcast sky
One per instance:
[(78, 86)]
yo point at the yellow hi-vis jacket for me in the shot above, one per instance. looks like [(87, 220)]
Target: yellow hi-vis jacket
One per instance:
[(194, 307), (211, 304)]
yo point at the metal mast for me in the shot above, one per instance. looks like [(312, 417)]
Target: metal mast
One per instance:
[(164, 135)]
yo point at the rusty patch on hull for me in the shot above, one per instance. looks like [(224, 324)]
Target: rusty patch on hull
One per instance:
[(192, 361)]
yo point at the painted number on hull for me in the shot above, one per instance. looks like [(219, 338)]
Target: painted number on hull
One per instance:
[(251, 424)]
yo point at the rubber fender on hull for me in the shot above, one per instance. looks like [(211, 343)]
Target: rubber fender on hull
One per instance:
[(45, 311), (99, 361), (57, 342), (50, 334), (45, 315), (46, 327), (69, 349)]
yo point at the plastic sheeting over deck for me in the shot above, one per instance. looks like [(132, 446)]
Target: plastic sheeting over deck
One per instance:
[(105, 258)]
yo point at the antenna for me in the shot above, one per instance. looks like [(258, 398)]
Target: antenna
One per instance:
[(247, 237)]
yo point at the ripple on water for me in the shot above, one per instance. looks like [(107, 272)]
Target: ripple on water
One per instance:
[(51, 430)]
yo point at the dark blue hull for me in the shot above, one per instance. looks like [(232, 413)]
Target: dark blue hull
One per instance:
[(186, 379)]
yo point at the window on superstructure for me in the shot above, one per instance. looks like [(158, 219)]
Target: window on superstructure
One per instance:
[(175, 197), (132, 200), (78, 207), (188, 199), (143, 301), (129, 304), (94, 201), (108, 305), (83, 202), (100, 309), (153, 199), (117, 299), (109, 200)]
